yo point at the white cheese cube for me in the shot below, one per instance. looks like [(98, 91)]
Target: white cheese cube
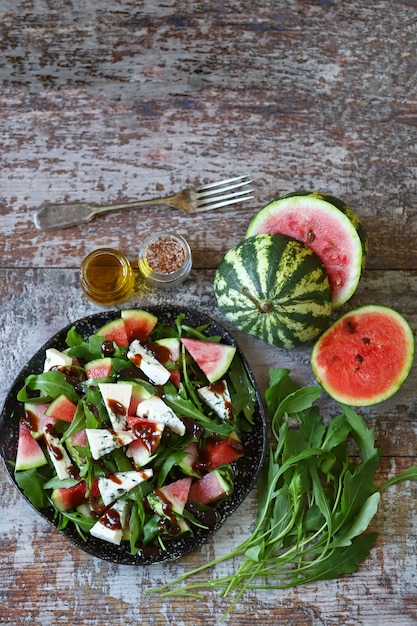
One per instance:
[(217, 397), (110, 526), (115, 486), (147, 363), (58, 455), (104, 440), (54, 358), (116, 397), (156, 410)]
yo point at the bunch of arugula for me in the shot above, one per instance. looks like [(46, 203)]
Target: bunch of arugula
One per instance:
[(316, 499)]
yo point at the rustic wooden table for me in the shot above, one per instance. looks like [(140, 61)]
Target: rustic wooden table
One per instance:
[(111, 101)]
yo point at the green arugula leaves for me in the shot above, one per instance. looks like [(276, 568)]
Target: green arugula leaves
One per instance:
[(316, 498)]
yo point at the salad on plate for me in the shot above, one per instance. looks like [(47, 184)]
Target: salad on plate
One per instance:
[(141, 432)]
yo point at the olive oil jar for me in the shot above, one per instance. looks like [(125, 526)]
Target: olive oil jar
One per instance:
[(106, 276)]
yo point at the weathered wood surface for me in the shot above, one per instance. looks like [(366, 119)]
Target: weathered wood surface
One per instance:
[(110, 101)]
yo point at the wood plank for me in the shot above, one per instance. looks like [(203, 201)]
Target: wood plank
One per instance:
[(32, 552), (104, 114)]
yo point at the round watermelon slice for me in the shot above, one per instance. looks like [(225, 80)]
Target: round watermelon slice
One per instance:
[(365, 356), (328, 226)]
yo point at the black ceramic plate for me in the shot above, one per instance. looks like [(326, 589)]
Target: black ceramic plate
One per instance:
[(247, 467)]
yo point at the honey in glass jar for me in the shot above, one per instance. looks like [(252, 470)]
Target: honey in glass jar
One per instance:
[(106, 276)]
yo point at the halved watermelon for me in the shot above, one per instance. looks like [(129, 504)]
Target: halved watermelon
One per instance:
[(365, 356), (138, 324), (328, 226), (62, 409), (115, 331), (212, 358), (29, 453)]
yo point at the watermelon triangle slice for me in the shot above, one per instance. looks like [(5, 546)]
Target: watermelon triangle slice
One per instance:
[(29, 453), (115, 330), (212, 358), (138, 323)]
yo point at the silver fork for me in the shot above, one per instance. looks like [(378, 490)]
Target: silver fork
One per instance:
[(191, 200)]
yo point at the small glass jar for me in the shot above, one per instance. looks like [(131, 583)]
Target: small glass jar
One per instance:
[(106, 276), (165, 259)]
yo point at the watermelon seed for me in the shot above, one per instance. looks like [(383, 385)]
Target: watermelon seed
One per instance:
[(359, 358), (311, 236), (366, 340), (350, 326)]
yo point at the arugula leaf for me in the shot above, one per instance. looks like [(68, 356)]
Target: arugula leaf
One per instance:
[(315, 502), (50, 384), (31, 482)]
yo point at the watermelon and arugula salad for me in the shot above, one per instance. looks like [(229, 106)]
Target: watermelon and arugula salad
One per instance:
[(133, 434)]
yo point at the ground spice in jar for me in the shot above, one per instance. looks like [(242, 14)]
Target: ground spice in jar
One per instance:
[(165, 255), (165, 259)]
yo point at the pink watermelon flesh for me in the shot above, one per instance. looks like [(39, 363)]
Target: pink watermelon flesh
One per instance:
[(99, 368), (36, 419), (139, 452), (29, 453), (326, 230), (139, 393), (213, 358), (208, 489), (218, 452), (176, 493), (139, 324), (115, 331), (66, 498), (62, 409), (365, 356), (147, 432)]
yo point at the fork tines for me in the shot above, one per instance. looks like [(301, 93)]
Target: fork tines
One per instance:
[(222, 193)]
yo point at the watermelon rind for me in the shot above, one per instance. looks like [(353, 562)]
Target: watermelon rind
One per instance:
[(327, 225), (115, 330), (29, 453), (274, 287), (213, 358), (365, 356), (138, 323)]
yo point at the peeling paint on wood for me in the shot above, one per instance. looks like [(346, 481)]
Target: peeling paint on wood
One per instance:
[(109, 102)]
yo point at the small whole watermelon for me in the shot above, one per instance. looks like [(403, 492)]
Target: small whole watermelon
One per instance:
[(365, 356), (275, 288), (328, 226)]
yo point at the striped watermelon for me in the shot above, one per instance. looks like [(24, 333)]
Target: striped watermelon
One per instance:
[(276, 288), (328, 226)]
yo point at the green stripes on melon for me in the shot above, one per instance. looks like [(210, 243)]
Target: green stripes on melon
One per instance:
[(328, 226), (275, 288)]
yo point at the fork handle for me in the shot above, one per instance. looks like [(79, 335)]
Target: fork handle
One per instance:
[(66, 214)]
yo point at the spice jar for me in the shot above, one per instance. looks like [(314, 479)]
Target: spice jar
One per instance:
[(165, 259), (106, 276)]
